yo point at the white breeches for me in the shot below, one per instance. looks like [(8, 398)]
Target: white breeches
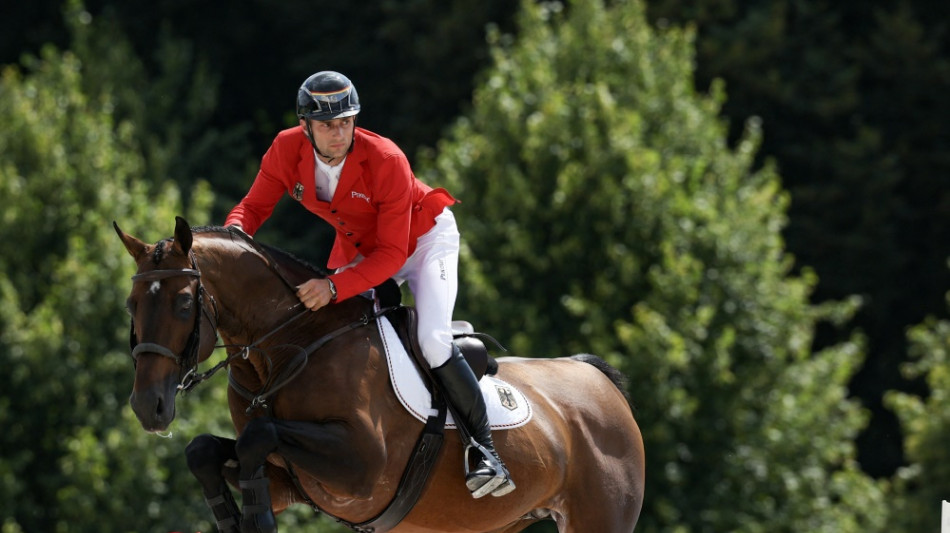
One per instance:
[(432, 274)]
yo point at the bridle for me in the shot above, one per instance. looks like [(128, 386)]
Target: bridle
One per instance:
[(187, 361), (189, 357)]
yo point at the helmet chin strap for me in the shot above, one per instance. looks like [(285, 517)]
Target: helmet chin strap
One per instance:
[(317, 150), (314, 144)]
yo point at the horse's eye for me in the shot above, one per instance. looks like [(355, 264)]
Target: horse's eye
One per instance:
[(183, 305)]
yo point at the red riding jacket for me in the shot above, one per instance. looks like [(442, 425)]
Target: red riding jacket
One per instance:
[(379, 208)]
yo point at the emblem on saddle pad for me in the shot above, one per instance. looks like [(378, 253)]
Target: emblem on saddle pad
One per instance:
[(506, 398)]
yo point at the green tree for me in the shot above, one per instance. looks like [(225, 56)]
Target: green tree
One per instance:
[(603, 210), (170, 93), (73, 457), (922, 485), (852, 98)]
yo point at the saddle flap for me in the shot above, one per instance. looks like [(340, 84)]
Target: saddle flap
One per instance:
[(404, 321), (507, 406)]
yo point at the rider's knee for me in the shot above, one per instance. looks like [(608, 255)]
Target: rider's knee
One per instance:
[(436, 349)]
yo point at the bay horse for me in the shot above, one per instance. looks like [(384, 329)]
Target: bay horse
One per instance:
[(323, 426)]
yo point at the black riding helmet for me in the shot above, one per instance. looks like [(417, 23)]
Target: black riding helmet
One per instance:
[(327, 95)]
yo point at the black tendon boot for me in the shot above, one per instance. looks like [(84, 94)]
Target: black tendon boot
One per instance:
[(226, 514), (458, 384), (258, 516)]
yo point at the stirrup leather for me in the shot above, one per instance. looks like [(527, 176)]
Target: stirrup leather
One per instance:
[(498, 485)]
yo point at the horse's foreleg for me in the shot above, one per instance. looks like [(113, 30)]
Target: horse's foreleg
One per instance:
[(208, 458), (328, 451), (258, 439), (346, 458)]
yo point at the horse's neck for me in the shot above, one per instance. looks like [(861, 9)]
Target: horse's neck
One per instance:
[(313, 337), (250, 297)]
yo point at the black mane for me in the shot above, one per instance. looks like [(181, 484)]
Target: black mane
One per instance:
[(296, 267), (284, 257)]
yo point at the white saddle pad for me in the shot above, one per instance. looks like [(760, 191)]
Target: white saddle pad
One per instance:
[(507, 406)]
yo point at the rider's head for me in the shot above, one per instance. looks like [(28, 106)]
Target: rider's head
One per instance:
[(327, 105), (327, 95)]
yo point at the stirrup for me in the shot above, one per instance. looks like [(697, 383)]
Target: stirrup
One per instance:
[(498, 485)]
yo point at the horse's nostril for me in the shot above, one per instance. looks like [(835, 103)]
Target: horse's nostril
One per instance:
[(160, 407)]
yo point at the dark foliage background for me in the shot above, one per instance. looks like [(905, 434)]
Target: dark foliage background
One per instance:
[(851, 96)]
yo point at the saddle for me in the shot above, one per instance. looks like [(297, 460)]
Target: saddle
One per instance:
[(405, 322)]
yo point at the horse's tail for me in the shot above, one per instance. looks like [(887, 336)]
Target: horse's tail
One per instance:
[(615, 376)]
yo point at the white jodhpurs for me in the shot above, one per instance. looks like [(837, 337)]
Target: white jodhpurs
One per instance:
[(432, 274)]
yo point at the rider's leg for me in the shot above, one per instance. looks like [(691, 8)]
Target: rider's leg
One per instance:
[(432, 273), (457, 382)]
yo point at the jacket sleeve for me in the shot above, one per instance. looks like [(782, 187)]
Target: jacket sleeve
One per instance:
[(393, 190), (267, 189)]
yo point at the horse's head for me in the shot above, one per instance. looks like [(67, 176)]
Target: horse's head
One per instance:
[(172, 323)]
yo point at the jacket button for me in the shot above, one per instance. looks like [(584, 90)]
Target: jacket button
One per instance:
[(333, 211), (357, 245), (349, 234)]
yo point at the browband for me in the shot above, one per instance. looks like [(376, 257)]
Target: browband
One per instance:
[(155, 275)]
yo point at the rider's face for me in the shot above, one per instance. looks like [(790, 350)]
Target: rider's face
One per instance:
[(332, 137)]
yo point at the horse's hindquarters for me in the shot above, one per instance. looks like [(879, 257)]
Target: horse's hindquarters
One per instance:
[(580, 459), (583, 439)]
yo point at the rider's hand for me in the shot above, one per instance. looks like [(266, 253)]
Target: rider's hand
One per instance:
[(315, 293)]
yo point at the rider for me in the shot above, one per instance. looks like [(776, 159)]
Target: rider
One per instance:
[(388, 224)]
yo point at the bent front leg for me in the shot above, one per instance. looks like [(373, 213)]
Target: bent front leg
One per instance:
[(347, 460), (255, 443), (210, 458)]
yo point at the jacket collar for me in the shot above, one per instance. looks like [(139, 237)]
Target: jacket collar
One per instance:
[(352, 167)]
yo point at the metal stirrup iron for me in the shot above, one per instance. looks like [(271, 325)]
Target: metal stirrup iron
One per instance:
[(501, 480)]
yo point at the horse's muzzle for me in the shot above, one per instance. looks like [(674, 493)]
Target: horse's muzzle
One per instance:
[(154, 406)]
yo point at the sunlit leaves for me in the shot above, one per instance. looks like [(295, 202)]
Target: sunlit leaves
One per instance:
[(604, 210)]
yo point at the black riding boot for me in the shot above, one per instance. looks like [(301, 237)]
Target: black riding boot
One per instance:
[(465, 400), (227, 516), (258, 516)]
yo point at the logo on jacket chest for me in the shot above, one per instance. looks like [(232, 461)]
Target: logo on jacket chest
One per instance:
[(361, 196)]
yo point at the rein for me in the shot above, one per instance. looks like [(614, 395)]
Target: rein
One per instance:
[(274, 383)]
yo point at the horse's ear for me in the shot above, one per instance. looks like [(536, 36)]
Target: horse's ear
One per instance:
[(182, 235), (136, 248)]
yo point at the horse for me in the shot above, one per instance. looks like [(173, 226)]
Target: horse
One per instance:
[(322, 426)]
